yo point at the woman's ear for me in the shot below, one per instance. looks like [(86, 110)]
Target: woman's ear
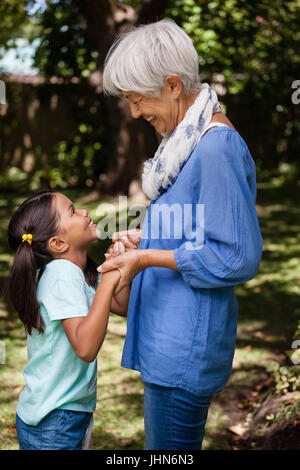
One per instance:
[(57, 245), (174, 85)]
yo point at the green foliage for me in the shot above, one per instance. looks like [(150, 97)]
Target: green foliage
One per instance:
[(255, 46), (252, 46), (257, 40), (65, 50), (73, 157), (64, 170), (13, 15), (286, 412), (287, 378), (287, 383)]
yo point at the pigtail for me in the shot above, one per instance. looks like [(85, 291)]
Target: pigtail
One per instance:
[(34, 217), (22, 287)]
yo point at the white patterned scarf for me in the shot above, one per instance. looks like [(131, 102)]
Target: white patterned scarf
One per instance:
[(162, 170)]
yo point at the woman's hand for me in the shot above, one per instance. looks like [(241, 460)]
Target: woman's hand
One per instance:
[(128, 263)]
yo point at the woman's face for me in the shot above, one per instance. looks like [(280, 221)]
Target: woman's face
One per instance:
[(162, 113)]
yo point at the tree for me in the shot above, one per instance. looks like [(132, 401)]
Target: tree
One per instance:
[(13, 15), (255, 47), (76, 36), (252, 46)]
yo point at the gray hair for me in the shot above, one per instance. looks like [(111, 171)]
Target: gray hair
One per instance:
[(141, 59)]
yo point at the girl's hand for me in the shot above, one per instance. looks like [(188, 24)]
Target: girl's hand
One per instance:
[(115, 249), (112, 277), (129, 264), (124, 241), (130, 238)]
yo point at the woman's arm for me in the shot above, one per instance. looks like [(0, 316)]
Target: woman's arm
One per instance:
[(86, 334), (158, 258), (139, 260), (134, 261)]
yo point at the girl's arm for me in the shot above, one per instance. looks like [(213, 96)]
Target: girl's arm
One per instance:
[(86, 334), (119, 303)]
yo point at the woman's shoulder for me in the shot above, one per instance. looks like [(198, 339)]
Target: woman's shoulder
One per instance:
[(222, 137), (223, 145)]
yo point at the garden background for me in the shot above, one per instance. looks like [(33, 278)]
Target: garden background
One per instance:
[(58, 130)]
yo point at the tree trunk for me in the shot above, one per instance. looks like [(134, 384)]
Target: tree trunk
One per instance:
[(128, 142), (151, 11)]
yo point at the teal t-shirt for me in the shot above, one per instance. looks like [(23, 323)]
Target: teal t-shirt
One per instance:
[(55, 376)]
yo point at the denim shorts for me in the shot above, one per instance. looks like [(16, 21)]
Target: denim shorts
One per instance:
[(174, 418), (59, 430)]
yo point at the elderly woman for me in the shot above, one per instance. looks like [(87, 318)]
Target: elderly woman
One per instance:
[(182, 314)]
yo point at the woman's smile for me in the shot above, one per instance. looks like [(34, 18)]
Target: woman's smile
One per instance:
[(160, 113), (150, 119)]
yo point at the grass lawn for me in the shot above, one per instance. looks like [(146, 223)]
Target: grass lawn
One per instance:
[(269, 312)]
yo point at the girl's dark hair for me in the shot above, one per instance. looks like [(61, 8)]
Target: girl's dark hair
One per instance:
[(36, 216)]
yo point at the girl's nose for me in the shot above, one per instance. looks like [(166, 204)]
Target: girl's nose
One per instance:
[(84, 212)]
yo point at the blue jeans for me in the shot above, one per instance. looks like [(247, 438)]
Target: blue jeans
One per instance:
[(59, 430), (174, 418)]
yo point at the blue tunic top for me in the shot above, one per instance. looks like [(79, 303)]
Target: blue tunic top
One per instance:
[(182, 324)]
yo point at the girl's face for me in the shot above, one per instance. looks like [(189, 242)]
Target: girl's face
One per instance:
[(76, 227)]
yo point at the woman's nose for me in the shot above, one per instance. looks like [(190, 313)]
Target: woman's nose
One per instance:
[(134, 109), (84, 212)]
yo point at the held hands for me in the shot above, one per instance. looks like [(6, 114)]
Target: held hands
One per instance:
[(123, 255), (124, 241)]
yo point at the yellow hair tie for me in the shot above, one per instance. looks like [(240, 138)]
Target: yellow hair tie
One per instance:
[(27, 237)]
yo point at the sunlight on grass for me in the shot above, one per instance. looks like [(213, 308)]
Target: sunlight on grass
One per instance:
[(268, 314)]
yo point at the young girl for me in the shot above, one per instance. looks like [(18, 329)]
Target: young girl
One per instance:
[(55, 289)]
